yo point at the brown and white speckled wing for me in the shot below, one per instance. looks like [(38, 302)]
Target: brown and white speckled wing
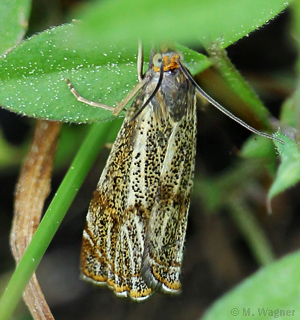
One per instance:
[(136, 224), (168, 220), (114, 236)]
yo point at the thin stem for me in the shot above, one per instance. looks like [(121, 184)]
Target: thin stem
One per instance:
[(53, 217), (252, 231)]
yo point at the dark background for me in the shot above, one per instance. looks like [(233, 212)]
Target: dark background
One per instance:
[(217, 256)]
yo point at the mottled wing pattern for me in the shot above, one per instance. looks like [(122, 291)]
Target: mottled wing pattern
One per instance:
[(136, 223), (168, 220), (114, 236)]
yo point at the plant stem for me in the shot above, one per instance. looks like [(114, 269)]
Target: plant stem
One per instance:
[(53, 217), (252, 232)]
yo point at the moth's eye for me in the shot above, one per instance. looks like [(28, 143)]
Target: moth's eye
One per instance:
[(157, 60)]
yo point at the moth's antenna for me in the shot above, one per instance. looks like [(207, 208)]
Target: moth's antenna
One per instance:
[(222, 109), (161, 74)]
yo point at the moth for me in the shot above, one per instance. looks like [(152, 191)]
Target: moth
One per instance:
[(136, 224)]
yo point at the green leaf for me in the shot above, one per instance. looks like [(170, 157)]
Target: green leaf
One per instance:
[(124, 22), (288, 173), (263, 296), (32, 76), (13, 23)]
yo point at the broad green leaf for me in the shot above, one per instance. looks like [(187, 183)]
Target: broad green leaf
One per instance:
[(271, 293), (32, 76), (14, 17), (288, 173), (124, 22)]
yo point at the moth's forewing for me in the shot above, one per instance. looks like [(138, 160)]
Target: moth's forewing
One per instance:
[(114, 235), (168, 220)]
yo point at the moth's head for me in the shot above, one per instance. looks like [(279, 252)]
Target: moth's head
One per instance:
[(169, 59)]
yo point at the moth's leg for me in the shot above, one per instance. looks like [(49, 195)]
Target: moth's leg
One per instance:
[(140, 62), (86, 101), (120, 106), (115, 110), (142, 80)]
